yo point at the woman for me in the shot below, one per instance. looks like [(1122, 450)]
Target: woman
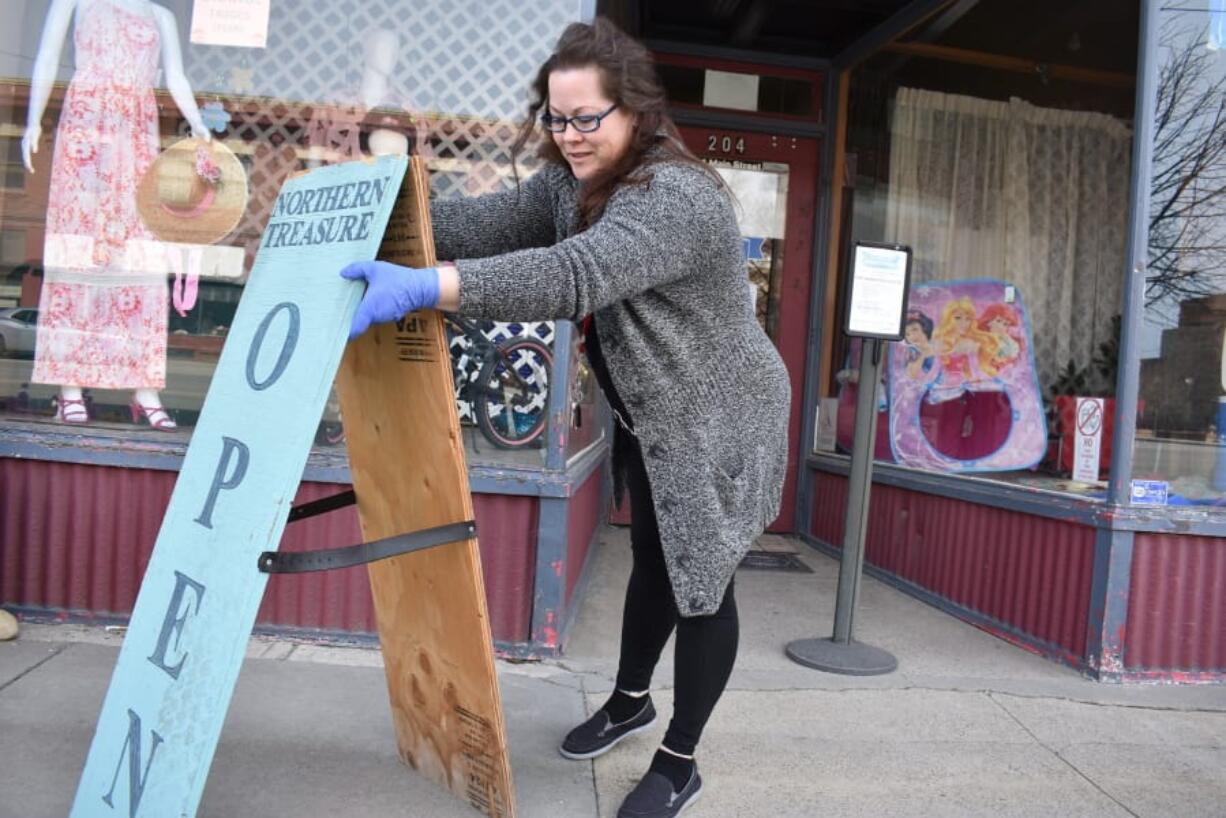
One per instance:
[(625, 225)]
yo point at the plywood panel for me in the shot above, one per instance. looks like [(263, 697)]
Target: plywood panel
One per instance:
[(407, 461)]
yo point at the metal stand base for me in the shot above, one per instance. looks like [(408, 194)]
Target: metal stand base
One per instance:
[(851, 658)]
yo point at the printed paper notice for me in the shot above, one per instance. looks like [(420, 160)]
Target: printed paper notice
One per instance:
[(242, 23), (825, 437), (878, 290)]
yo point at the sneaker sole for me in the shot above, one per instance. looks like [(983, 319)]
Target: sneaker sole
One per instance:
[(602, 750), (690, 802)]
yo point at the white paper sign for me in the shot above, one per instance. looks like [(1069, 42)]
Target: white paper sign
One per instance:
[(242, 23), (878, 291), (723, 89), (1087, 439), (825, 436)]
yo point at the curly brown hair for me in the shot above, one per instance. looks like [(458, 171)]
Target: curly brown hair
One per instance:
[(627, 77)]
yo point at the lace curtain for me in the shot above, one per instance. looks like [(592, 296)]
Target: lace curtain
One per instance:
[(1037, 197)]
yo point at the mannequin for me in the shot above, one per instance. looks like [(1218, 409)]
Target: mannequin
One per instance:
[(103, 310), (382, 51), (335, 131)]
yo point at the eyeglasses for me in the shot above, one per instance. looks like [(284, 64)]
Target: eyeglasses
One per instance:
[(583, 123)]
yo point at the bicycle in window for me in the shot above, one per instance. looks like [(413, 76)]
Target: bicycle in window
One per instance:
[(510, 393), (505, 382)]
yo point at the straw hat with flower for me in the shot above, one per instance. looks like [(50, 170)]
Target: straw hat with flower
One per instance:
[(195, 192)]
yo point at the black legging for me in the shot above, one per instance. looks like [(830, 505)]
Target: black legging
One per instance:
[(706, 645)]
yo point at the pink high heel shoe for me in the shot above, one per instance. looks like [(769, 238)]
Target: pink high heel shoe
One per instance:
[(157, 417), (68, 410)]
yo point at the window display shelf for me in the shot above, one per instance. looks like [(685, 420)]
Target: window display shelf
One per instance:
[(121, 446), (1025, 492)]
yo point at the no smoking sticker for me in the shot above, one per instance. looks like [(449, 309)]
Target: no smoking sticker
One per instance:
[(1089, 438), (1089, 416)]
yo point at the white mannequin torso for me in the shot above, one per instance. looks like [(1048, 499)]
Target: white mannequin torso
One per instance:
[(136, 6), (156, 14), (60, 15)]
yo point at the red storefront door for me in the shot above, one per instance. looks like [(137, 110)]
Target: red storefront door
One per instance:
[(775, 182)]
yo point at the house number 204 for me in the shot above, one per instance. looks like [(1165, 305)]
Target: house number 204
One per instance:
[(725, 144)]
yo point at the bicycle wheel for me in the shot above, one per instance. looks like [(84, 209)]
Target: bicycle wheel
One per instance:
[(512, 393)]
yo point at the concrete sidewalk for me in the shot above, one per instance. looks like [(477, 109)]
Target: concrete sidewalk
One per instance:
[(968, 725)]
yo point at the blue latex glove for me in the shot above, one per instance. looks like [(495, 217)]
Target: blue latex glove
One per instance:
[(392, 292)]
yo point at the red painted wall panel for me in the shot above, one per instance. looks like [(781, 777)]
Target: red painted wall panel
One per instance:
[(1177, 604), (77, 538), (327, 600), (582, 520), (1031, 574), (507, 530), (69, 542)]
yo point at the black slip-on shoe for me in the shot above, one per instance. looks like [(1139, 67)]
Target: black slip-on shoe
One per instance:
[(598, 734), (654, 797)]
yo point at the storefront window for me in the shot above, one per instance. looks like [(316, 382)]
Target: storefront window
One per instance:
[(1012, 191), (158, 137), (1179, 456)]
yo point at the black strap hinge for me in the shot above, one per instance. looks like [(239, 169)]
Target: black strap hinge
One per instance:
[(297, 562), (330, 503)]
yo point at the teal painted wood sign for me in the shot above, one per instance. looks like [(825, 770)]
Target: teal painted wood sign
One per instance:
[(176, 672)]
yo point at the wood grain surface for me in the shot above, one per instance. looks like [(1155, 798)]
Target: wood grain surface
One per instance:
[(407, 461)]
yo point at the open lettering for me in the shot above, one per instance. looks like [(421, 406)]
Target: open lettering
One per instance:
[(176, 671), (130, 752), (287, 346), (172, 625), (188, 594)]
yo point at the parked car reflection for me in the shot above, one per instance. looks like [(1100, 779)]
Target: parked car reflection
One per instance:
[(17, 330)]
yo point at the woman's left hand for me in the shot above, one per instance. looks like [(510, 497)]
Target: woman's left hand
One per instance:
[(392, 292)]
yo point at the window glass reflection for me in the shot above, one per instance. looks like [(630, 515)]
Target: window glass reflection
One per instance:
[(143, 144)]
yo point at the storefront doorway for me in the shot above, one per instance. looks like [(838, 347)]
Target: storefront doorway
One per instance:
[(774, 178)]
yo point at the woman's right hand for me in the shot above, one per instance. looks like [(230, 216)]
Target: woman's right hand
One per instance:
[(29, 145)]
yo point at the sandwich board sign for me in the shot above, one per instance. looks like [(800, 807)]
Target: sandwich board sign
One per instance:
[(163, 712)]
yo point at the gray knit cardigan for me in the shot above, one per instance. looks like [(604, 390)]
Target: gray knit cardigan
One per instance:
[(664, 273)]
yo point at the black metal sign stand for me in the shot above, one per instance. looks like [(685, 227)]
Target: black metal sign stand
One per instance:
[(877, 298), (840, 653)]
